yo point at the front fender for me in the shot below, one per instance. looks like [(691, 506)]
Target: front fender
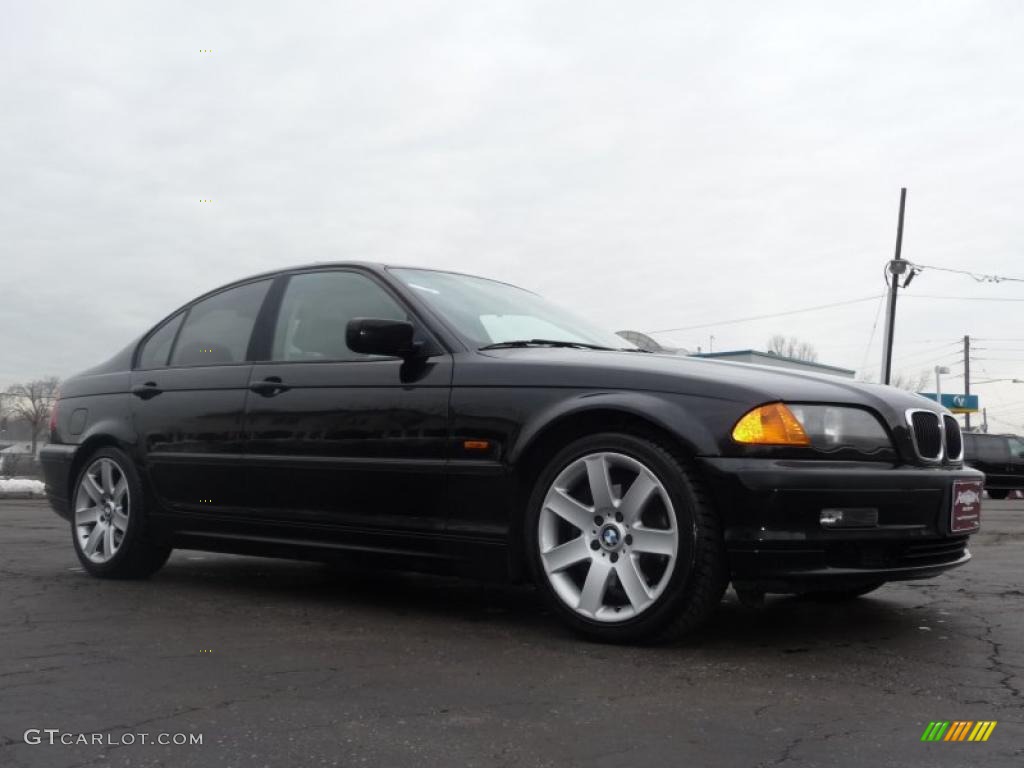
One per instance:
[(675, 414)]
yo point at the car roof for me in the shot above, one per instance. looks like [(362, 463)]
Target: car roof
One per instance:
[(375, 266)]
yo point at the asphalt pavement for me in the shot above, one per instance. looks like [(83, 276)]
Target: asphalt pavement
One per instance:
[(275, 663)]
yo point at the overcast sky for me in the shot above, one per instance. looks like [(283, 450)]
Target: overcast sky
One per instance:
[(651, 165)]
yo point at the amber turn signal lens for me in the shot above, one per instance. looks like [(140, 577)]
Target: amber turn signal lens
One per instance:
[(772, 424)]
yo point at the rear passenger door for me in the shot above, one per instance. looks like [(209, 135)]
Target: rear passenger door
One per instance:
[(341, 438), (190, 385)]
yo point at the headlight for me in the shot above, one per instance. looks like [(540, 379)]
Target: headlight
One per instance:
[(824, 427)]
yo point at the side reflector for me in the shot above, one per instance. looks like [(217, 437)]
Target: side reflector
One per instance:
[(476, 445), (772, 424)]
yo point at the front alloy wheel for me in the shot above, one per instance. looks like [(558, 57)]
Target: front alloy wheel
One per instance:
[(608, 536), (622, 540)]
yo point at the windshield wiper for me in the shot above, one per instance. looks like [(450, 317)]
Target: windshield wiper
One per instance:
[(544, 343)]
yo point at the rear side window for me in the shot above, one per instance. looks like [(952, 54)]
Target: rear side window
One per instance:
[(217, 329), (315, 311), (1017, 448), (157, 348)]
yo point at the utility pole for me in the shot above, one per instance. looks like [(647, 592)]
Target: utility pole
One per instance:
[(984, 420), (896, 267), (967, 377)]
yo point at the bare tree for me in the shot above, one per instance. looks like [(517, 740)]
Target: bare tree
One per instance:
[(33, 402), (910, 381), (792, 348)]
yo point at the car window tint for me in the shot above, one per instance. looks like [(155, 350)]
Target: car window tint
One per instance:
[(158, 346), (217, 329), (992, 450), (1017, 448), (316, 309)]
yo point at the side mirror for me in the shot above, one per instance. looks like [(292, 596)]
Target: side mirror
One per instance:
[(372, 336)]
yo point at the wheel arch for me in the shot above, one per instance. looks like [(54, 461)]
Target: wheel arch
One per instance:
[(102, 434), (642, 415)]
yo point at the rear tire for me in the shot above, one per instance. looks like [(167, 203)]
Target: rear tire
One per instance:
[(622, 540), (108, 520)]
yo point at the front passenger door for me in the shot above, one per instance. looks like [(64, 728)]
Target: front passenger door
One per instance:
[(341, 438)]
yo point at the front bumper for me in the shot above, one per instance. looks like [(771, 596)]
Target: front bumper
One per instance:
[(773, 532), (56, 461)]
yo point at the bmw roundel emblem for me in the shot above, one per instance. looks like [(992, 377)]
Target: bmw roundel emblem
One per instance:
[(610, 537)]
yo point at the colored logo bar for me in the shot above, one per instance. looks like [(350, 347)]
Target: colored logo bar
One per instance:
[(958, 730)]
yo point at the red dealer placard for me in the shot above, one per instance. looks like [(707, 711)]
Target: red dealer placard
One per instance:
[(966, 514)]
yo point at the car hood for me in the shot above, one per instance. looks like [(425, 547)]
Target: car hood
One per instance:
[(692, 376)]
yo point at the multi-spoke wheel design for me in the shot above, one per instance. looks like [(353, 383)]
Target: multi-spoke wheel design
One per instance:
[(102, 509), (608, 536)]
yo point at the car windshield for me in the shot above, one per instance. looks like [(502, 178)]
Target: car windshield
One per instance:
[(490, 313)]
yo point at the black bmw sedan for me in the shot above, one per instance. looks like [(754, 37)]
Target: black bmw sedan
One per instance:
[(429, 420)]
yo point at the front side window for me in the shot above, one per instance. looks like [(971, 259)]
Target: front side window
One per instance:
[(315, 311), (488, 312), (217, 329), (992, 450), (157, 348)]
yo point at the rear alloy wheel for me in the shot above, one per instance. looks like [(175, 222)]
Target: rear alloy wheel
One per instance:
[(108, 523), (102, 506), (623, 542)]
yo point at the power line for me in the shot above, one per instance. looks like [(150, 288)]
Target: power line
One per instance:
[(977, 276), (871, 337), (940, 352), (957, 298), (767, 317)]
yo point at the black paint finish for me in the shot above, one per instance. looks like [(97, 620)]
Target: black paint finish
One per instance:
[(429, 460)]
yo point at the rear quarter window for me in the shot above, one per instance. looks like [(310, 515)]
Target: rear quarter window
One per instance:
[(157, 348)]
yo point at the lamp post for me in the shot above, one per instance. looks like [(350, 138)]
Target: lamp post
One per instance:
[(939, 370)]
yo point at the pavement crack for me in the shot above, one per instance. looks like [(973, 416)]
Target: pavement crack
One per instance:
[(996, 663)]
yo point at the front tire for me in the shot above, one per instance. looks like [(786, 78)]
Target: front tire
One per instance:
[(108, 525), (623, 542)]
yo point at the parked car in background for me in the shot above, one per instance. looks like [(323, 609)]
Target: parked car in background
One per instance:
[(446, 422), (18, 460), (1000, 457)]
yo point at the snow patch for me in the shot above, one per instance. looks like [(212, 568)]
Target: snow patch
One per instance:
[(22, 486)]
